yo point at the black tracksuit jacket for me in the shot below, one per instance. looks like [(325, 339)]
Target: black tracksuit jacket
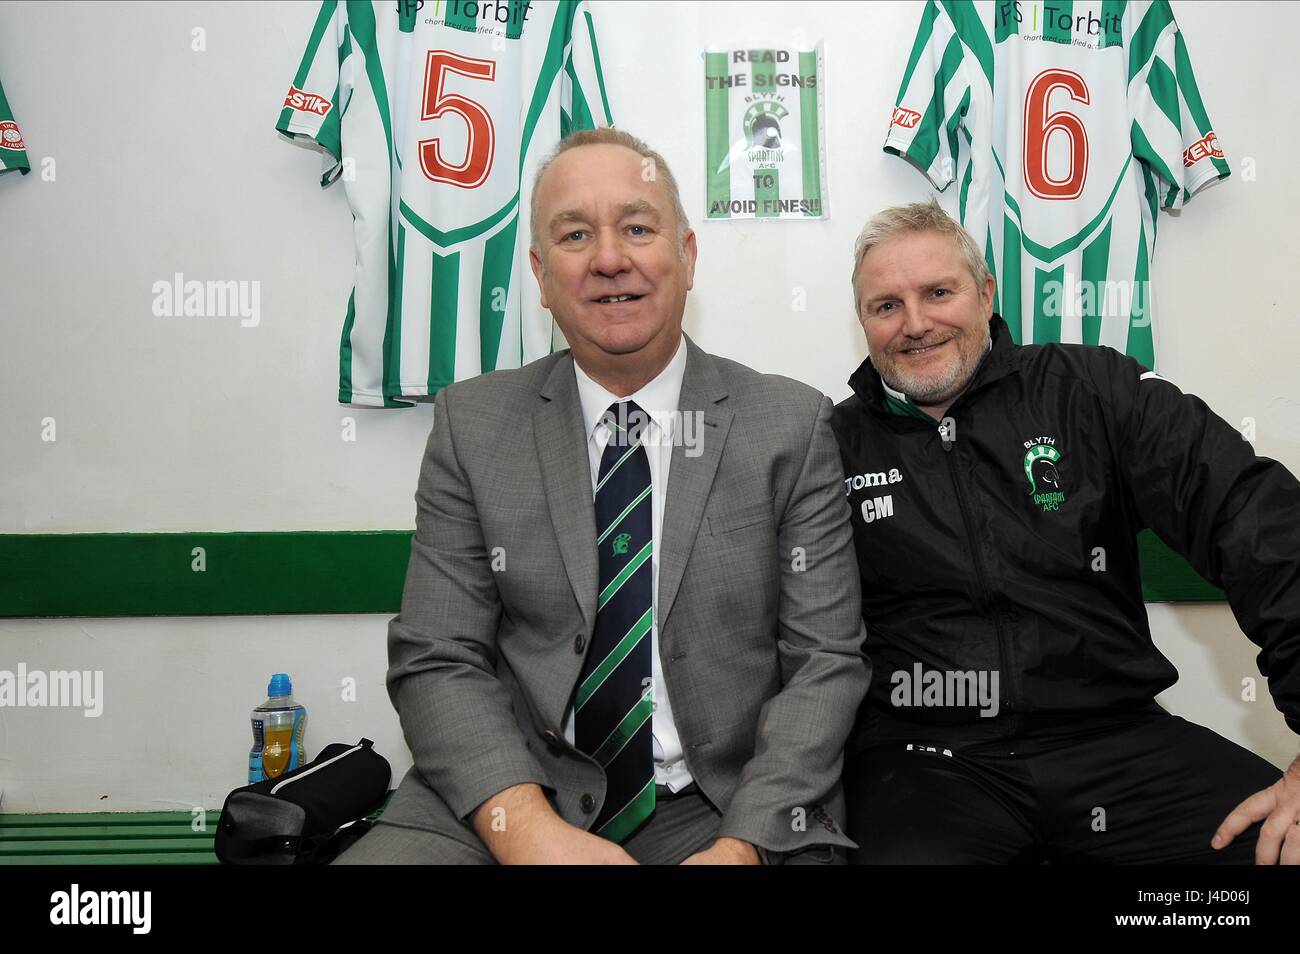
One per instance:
[(1011, 543)]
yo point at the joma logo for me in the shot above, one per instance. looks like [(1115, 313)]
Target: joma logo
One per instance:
[(877, 479)]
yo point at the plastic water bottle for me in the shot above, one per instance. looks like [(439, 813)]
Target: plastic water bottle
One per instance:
[(278, 727)]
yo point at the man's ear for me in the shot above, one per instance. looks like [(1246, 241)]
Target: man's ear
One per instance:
[(691, 249), (989, 286), (536, 263)]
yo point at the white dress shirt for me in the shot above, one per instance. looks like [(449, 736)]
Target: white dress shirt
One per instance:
[(659, 399)]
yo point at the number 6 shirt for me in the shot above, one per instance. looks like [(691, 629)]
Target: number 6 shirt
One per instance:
[(435, 114), (1067, 126)]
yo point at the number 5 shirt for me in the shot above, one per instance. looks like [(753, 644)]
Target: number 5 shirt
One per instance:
[(435, 114), (1066, 126)]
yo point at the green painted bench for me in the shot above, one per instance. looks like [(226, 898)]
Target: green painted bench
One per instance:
[(107, 838), (114, 838)]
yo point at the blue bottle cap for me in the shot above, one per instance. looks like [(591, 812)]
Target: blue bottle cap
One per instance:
[(280, 685)]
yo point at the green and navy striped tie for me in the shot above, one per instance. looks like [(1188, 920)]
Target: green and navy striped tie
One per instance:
[(615, 701)]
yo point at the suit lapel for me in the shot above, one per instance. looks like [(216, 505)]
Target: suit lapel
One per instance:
[(690, 477), (558, 433), (566, 476)]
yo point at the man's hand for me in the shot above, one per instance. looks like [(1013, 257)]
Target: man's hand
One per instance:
[(519, 827), (725, 851), (1279, 804)]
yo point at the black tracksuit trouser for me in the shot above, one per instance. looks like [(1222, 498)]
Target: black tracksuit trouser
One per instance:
[(1135, 787)]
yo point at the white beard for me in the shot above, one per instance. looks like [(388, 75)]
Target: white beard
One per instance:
[(930, 391)]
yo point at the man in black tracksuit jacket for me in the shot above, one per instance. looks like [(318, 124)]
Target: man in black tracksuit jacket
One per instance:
[(997, 492)]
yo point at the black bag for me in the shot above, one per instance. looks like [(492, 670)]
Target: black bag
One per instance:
[(294, 819)]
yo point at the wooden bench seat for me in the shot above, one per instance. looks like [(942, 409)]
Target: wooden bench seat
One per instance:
[(107, 838)]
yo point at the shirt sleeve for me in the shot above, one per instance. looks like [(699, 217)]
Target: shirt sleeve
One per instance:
[(1172, 134), (585, 103), (13, 151), (1232, 514), (933, 99), (319, 94)]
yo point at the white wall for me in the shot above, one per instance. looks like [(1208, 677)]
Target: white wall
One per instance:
[(166, 160)]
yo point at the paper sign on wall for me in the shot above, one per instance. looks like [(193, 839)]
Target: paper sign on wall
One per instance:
[(765, 134)]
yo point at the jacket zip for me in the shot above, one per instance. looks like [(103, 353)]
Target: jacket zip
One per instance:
[(985, 591)]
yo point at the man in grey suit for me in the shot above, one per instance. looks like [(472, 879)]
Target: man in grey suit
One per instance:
[(594, 662)]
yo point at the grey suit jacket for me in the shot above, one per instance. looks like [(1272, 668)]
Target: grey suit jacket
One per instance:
[(760, 633)]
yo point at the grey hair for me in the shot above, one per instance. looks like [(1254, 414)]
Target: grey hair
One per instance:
[(609, 136), (915, 217)]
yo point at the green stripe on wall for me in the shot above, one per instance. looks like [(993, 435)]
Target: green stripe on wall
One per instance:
[(1168, 578), (150, 574)]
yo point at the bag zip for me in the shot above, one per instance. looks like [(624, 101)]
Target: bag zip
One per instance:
[(315, 768)]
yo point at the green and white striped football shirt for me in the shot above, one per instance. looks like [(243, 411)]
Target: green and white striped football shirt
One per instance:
[(13, 151), (435, 113), (1068, 125)]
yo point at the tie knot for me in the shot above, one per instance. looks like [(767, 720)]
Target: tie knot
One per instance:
[(626, 422)]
